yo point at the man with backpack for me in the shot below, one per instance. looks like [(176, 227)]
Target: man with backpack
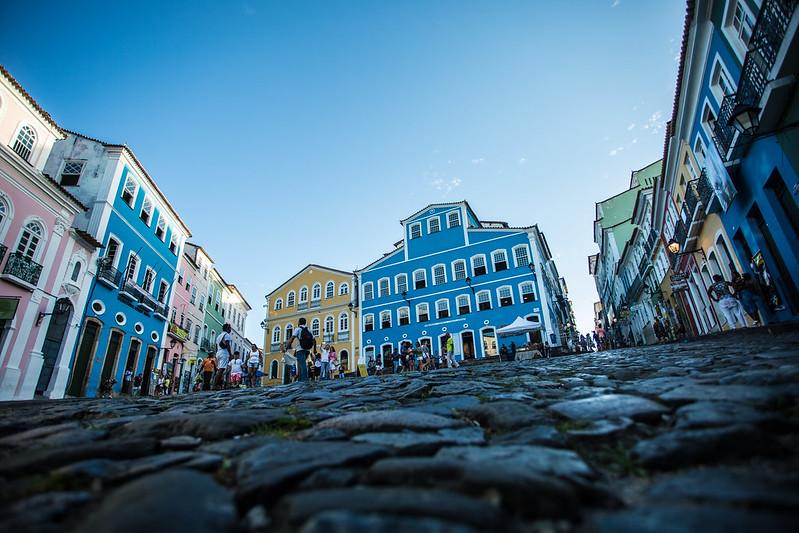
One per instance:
[(307, 343), (224, 345)]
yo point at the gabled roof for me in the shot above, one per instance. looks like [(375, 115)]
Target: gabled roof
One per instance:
[(384, 256), (447, 204), (232, 288), (303, 269), (135, 159), (44, 114)]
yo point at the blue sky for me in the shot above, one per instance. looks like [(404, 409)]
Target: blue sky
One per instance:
[(294, 132)]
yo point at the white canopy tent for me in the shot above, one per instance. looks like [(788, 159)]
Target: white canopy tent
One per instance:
[(519, 326)]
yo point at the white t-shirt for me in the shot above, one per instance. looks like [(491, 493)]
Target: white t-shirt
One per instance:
[(254, 359), (325, 356), (222, 355), (235, 366)]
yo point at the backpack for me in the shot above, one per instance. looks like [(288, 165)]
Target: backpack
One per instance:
[(306, 339)]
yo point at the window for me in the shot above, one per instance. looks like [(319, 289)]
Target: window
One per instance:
[(343, 289), (484, 301), (303, 295), (442, 309), (70, 174), (291, 298), (433, 225), (505, 296), (401, 283), (149, 279), (129, 191), (278, 304), (316, 292), (479, 265), (527, 291), (368, 322), (422, 312), (743, 23), (160, 228), (459, 270), (500, 260), (30, 240), (404, 316), (196, 334), (289, 332), (416, 230), (699, 150), (720, 82), (385, 319), (202, 304), (521, 256), (173, 243), (23, 146), (315, 327), (368, 291), (343, 322), (330, 289), (3, 213), (382, 287), (146, 211), (464, 304), (76, 271), (708, 119), (420, 279), (329, 325), (163, 287), (439, 275), (276, 335), (453, 219)]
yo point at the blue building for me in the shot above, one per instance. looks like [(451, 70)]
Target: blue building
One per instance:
[(730, 182), (453, 273), (126, 316)]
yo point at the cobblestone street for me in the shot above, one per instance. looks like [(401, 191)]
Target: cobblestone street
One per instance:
[(698, 435)]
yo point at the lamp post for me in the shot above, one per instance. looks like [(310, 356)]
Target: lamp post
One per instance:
[(469, 284), (674, 247), (405, 297), (745, 118), (62, 306), (353, 308)]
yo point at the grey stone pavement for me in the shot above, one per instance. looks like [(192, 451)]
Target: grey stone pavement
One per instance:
[(689, 436)]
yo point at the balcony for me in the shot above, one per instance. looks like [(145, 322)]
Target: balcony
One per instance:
[(274, 347), (3, 249), (22, 270), (680, 232), (147, 301), (329, 337), (205, 345), (160, 311), (767, 36), (343, 335), (108, 275), (130, 291), (315, 303), (177, 333), (302, 306), (643, 266)]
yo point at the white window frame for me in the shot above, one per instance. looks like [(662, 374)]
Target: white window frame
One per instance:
[(465, 270), (718, 72), (494, 260), (438, 311), (289, 331), (162, 283), (424, 277), (147, 270), (371, 290), (301, 299), (477, 300), (420, 305), (457, 221), (732, 33), (316, 327), (365, 321), (291, 298), (28, 144), (380, 284), (41, 238), (443, 268), (485, 263), (161, 225), (521, 291), (510, 294), (329, 325), (330, 289), (276, 335), (468, 302), (516, 259), (399, 315), (430, 220), (279, 304), (344, 289), (417, 226), (385, 312), (397, 288), (316, 288), (343, 322), (144, 204), (130, 179)]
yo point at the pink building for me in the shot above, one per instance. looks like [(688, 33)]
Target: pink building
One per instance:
[(46, 266)]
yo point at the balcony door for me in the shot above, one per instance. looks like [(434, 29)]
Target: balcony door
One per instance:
[(82, 364), (53, 341), (111, 356)]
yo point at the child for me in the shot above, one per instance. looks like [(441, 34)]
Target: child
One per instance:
[(235, 370), (107, 388), (317, 371)]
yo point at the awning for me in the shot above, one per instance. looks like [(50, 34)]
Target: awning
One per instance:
[(518, 327)]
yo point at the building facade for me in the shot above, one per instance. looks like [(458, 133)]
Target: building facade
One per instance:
[(453, 273), (126, 318), (46, 263), (727, 202), (324, 297), (235, 310)]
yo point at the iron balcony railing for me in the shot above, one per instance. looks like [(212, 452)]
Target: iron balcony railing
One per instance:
[(706, 192), (643, 265), (274, 347), (329, 337), (205, 345), (680, 232), (3, 250), (691, 197), (23, 268), (109, 274), (767, 36), (651, 242), (343, 335), (160, 310)]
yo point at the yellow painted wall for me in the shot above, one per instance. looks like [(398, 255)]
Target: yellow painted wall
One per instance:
[(327, 307)]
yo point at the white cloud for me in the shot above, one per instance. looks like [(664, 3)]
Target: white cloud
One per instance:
[(616, 151), (445, 186), (635, 141), (522, 160), (615, 3), (631, 127), (477, 161)]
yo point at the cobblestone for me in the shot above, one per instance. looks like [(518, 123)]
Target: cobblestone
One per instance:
[(699, 435)]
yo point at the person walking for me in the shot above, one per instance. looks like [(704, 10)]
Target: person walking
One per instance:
[(745, 291), (224, 351), (325, 362), (307, 343), (137, 384), (208, 368), (253, 364), (236, 370), (720, 293), (127, 382), (451, 362)]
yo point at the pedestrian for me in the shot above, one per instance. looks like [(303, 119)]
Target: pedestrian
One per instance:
[(451, 362), (660, 330), (426, 355), (513, 350), (289, 366), (224, 351), (504, 355), (745, 291), (253, 364), (720, 293), (127, 381), (370, 367), (307, 343), (107, 387), (317, 366), (208, 367), (236, 369), (325, 360), (333, 358), (137, 384)]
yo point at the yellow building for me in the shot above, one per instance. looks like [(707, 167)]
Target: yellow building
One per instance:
[(323, 296)]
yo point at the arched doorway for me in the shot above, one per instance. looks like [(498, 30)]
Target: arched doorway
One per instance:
[(467, 344), (344, 359), (489, 338), (53, 340), (152, 351), (82, 363), (111, 356), (130, 363), (273, 370)]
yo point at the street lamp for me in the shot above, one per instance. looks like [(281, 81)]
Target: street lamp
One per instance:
[(352, 308), (674, 246), (62, 306), (405, 297), (745, 118), (531, 266), (469, 283)]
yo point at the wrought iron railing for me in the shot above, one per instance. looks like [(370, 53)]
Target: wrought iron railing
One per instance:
[(767, 36), (329, 337), (3, 249), (109, 274), (651, 241), (643, 264), (343, 335), (705, 191), (680, 232), (23, 268), (205, 345), (160, 310), (274, 347), (691, 197)]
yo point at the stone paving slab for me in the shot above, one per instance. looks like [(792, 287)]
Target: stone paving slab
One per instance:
[(691, 436)]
